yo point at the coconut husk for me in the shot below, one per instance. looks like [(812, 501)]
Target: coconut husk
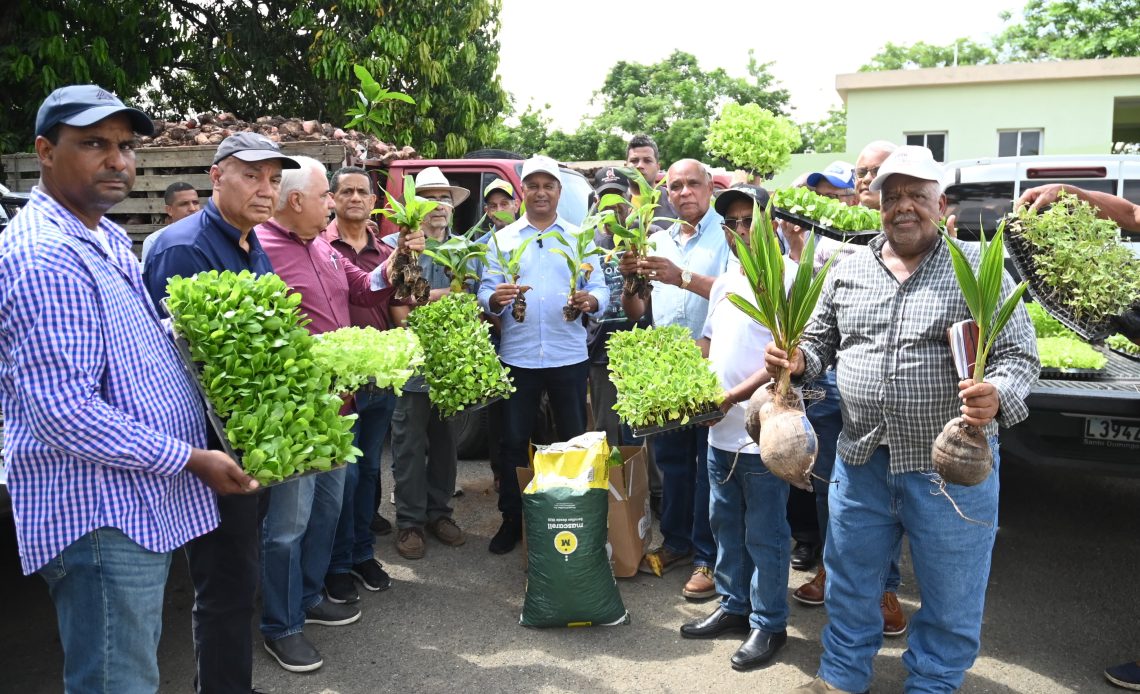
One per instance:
[(961, 454), (788, 446)]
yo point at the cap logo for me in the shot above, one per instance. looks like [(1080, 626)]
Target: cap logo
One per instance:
[(104, 95)]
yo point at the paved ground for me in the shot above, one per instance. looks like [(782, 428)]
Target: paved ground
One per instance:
[(1062, 604)]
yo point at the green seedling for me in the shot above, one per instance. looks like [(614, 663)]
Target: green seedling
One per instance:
[(510, 266), (631, 233), (828, 212), (577, 257), (358, 356), (458, 257), (371, 114), (408, 216)]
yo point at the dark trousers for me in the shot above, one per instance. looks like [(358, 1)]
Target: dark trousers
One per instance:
[(566, 388), (225, 568)]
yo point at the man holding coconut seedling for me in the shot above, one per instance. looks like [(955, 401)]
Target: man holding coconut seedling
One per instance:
[(545, 351), (689, 256), (882, 319)]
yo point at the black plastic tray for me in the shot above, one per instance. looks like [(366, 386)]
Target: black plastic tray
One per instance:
[(710, 416), (1052, 374), (1126, 355), (859, 238)]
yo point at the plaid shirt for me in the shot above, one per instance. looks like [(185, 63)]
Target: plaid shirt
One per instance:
[(892, 358), (99, 414)]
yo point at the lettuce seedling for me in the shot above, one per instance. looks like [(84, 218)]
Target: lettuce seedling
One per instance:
[(828, 212), (355, 356)]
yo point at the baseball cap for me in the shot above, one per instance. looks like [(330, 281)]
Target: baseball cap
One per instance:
[(253, 147), (838, 173), (540, 164), (610, 180), (910, 160), (498, 184), (81, 105), (740, 191)]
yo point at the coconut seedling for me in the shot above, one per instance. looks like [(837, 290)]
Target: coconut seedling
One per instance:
[(510, 265), (776, 418), (407, 276), (631, 234), (457, 256), (577, 262), (961, 453)]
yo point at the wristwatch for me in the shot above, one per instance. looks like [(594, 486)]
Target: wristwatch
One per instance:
[(686, 277)]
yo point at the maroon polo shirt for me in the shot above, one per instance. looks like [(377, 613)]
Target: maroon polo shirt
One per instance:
[(368, 258)]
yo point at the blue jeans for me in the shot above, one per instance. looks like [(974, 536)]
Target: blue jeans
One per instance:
[(746, 512), (354, 540), (826, 417), (296, 546), (108, 592), (870, 510), (682, 456)]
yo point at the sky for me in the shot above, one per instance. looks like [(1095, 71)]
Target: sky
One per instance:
[(559, 53)]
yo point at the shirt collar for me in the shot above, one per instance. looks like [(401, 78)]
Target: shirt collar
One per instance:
[(274, 226), (332, 233), (72, 225)]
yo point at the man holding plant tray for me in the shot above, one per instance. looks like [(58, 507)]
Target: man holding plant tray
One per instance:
[(882, 319)]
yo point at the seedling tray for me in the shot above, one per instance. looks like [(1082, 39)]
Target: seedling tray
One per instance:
[(693, 420), (859, 238), (1052, 374), (1021, 253), (1129, 355)]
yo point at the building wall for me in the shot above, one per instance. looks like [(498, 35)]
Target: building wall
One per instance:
[(1075, 115)]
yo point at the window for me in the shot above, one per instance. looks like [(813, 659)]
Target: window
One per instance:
[(1013, 143), (979, 205), (935, 142)]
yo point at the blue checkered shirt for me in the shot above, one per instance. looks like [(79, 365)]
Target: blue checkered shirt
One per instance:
[(99, 415)]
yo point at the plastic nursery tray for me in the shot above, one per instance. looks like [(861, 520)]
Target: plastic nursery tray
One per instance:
[(859, 238), (1064, 374), (1020, 252), (693, 420), (1129, 355)]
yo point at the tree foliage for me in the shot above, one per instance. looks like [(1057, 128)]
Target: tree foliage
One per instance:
[(752, 138), (962, 51), (1074, 30), (826, 135)]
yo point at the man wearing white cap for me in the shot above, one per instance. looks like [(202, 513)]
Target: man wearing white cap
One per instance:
[(882, 320), (546, 352)]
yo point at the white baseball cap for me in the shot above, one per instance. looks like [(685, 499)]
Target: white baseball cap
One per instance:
[(911, 160), (540, 164)]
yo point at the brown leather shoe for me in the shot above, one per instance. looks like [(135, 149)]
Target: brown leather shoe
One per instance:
[(811, 593), (446, 531), (819, 686), (894, 620), (700, 585), (410, 543)]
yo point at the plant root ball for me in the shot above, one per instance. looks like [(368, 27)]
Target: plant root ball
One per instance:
[(961, 454), (571, 313), (518, 311), (788, 446), (637, 285), (762, 405)]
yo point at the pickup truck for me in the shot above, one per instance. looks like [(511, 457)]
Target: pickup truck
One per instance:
[(1089, 424)]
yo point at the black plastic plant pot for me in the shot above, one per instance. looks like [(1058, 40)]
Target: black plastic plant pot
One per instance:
[(693, 420), (858, 238)]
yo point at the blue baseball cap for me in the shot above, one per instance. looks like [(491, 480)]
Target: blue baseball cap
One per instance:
[(838, 173), (81, 105)]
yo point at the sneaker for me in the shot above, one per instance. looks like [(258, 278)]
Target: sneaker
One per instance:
[(660, 560), (811, 593), (295, 653), (340, 589), (410, 543), (894, 620), (446, 531), (328, 613), (700, 585), (380, 525), (371, 575), (509, 534), (1125, 675)]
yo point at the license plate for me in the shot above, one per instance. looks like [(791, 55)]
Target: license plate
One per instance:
[(1116, 430)]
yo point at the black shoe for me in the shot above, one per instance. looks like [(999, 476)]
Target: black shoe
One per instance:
[(655, 506), (328, 613), (717, 623), (510, 532), (758, 649), (371, 575), (380, 525), (804, 556), (340, 589), (295, 653)]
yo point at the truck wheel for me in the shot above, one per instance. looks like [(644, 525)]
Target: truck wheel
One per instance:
[(470, 429)]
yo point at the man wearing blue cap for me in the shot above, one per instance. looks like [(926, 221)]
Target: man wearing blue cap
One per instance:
[(836, 181), (106, 441)]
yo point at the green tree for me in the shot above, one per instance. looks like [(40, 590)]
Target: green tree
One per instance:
[(826, 135), (528, 137), (1074, 30), (919, 55), (752, 138)]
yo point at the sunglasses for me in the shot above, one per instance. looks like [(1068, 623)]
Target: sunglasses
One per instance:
[(733, 223)]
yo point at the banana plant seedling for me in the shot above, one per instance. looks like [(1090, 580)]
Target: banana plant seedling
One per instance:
[(577, 263), (509, 264), (457, 256), (408, 216), (371, 115)]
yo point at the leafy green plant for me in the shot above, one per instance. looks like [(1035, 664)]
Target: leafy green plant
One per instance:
[(1068, 353), (753, 138), (660, 376), (458, 257), (1079, 258), (1122, 344), (1045, 325), (631, 233), (371, 115), (358, 356), (510, 264), (577, 262), (258, 372), (460, 364), (829, 212), (408, 216)]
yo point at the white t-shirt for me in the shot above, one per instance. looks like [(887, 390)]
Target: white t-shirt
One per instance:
[(736, 352)]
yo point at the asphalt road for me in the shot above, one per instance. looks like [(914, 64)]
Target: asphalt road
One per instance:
[(1062, 605)]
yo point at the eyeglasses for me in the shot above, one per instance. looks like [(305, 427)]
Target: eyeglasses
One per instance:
[(445, 199), (863, 171), (733, 223)]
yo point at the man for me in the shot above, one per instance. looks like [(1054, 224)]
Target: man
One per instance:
[(225, 564), (690, 255), (300, 525), (882, 320), (499, 204), (746, 507), (423, 444), (837, 181), (355, 236), (104, 434), (641, 154), (545, 352), (867, 168), (181, 200)]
